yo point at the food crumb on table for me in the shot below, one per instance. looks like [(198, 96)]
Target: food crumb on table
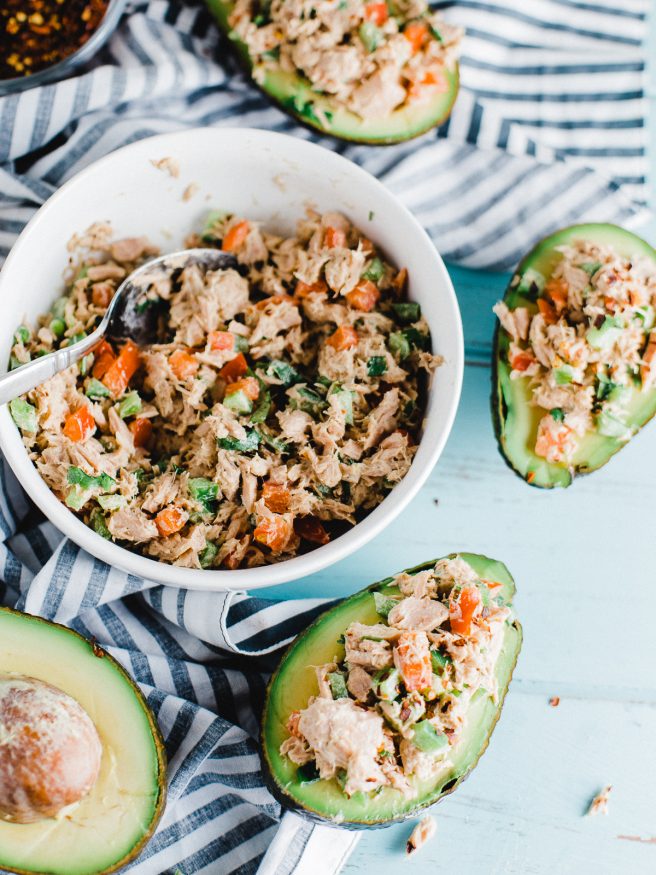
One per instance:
[(599, 804), (422, 833), (554, 701)]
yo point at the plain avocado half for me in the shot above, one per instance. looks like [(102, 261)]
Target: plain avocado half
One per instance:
[(294, 682), (110, 826), (515, 418), (294, 94)]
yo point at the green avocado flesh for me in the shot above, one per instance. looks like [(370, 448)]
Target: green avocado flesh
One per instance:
[(295, 95), (295, 682), (515, 418), (109, 827)]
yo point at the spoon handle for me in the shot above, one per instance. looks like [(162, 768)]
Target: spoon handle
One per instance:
[(26, 377)]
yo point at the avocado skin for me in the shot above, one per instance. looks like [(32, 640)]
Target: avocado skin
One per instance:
[(287, 802), (221, 9), (559, 476), (100, 653)]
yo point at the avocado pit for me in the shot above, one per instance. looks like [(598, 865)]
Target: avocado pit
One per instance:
[(50, 751)]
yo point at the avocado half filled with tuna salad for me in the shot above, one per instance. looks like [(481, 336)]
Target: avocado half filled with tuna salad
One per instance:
[(387, 701), (82, 762), (574, 376), (370, 72)]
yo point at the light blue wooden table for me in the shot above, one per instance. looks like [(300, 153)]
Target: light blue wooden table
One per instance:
[(584, 563)]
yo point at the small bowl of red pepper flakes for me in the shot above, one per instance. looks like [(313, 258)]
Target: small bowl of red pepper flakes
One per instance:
[(42, 40)]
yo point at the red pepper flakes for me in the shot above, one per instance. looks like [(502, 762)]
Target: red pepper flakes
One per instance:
[(35, 34)]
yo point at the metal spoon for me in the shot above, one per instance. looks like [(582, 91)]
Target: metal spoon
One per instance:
[(124, 319)]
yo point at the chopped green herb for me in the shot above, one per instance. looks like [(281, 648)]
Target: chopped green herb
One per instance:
[(284, 372), (263, 405), (78, 477), (376, 365), (23, 414), (557, 413), (203, 490), (241, 445)]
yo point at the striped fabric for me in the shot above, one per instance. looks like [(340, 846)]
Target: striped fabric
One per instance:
[(549, 129)]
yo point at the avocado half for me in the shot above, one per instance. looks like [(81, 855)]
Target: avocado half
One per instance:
[(295, 681), (515, 418), (295, 96), (110, 826)]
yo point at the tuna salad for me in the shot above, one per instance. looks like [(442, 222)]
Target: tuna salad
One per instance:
[(371, 57), (281, 403), (588, 343), (392, 711)]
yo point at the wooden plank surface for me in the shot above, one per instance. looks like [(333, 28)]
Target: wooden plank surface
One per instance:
[(584, 564)]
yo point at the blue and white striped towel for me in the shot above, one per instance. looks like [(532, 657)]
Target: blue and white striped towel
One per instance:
[(549, 129)]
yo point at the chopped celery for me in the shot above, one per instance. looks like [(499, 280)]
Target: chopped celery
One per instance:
[(77, 496), (370, 35), (111, 502), (85, 364), (95, 390), (563, 375), (439, 661), (531, 284), (384, 604), (129, 405), (97, 520), (388, 686), (428, 739), (239, 402), (208, 554), (58, 309), (591, 267), (606, 335), (337, 685), (22, 334), (399, 345), (374, 271), (23, 414), (212, 219), (344, 399)]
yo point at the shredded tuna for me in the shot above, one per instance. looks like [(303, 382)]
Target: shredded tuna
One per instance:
[(269, 378), (409, 682), (586, 348)]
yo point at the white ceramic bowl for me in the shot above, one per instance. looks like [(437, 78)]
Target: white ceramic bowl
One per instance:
[(266, 176)]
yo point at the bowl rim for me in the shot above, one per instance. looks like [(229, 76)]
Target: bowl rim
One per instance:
[(393, 504), (46, 75)]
